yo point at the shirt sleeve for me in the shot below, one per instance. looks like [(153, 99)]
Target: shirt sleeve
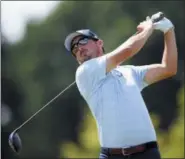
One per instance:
[(139, 74), (89, 75)]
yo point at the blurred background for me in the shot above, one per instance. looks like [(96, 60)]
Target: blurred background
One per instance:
[(35, 67)]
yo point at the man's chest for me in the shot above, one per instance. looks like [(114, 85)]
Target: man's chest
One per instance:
[(125, 78)]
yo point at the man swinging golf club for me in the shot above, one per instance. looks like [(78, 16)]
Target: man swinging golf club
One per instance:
[(113, 92)]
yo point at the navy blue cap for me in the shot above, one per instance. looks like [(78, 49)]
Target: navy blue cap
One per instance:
[(83, 32)]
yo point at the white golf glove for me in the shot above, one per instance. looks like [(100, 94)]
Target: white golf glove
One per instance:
[(163, 25)]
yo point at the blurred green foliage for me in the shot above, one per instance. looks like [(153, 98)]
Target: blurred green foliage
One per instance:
[(40, 67)]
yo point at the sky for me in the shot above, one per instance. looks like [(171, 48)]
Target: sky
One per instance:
[(14, 15)]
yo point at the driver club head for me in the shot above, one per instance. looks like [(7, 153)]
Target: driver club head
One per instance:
[(15, 142)]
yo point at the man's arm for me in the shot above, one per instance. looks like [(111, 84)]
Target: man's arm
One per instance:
[(130, 47), (168, 66)]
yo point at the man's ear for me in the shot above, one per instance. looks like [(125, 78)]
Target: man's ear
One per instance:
[(100, 42)]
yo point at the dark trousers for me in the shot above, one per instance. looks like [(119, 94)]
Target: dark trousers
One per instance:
[(152, 153)]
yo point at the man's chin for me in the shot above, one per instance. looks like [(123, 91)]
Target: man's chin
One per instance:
[(87, 58)]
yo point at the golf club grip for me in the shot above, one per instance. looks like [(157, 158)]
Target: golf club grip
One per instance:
[(155, 19), (158, 18)]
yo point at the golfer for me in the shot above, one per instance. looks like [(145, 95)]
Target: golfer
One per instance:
[(113, 91)]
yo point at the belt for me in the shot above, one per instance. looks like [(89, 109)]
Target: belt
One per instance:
[(133, 149)]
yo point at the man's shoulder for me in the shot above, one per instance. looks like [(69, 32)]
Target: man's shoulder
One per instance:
[(82, 68), (88, 66)]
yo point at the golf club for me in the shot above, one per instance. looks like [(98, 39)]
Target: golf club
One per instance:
[(14, 139)]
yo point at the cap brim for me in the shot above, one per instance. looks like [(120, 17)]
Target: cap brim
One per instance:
[(69, 39)]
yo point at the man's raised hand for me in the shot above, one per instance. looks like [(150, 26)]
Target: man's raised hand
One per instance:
[(163, 25)]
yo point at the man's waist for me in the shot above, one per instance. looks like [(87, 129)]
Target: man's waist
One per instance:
[(129, 150), (123, 139)]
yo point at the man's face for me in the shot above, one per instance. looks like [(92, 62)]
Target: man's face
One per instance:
[(85, 48)]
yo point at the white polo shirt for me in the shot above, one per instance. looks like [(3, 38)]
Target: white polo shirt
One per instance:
[(116, 102)]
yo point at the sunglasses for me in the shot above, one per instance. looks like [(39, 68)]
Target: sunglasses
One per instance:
[(81, 41)]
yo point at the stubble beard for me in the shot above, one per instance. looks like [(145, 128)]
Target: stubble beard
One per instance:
[(89, 57)]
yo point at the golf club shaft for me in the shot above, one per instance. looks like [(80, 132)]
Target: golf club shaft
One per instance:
[(44, 106)]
